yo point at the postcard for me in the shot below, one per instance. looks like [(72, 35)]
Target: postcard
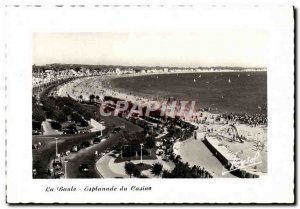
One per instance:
[(155, 104)]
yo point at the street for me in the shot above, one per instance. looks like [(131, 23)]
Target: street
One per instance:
[(43, 155)]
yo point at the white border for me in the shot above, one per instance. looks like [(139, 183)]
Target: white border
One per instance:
[(277, 186)]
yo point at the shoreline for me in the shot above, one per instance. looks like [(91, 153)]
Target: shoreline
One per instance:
[(103, 88), (181, 72), (245, 129)]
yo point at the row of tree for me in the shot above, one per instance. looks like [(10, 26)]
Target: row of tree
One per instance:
[(184, 170), (92, 98), (129, 145), (181, 170), (62, 109), (38, 115), (132, 169)]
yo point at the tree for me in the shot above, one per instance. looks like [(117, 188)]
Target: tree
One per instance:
[(122, 142), (67, 110), (167, 174), (136, 172), (181, 171), (80, 97), (172, 156), (38, 114), (134, 140), (129, 168), (177, 159), (150, 144), (76, 117), (60, 116), (92, 97), (156, 169), (34, 101), (97, 98)]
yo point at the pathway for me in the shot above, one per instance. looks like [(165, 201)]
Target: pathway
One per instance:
[(195, 152)]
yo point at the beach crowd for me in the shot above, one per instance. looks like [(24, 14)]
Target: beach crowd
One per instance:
[(245, 118)]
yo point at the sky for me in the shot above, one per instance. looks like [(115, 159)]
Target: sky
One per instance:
[(235, 48)]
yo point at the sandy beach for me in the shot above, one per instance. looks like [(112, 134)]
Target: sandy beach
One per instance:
[(99, 86), (81, 89)]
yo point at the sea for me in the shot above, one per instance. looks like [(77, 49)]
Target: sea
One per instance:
[(221, 92)]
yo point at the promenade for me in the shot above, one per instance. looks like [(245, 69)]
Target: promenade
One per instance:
[(195, 152)]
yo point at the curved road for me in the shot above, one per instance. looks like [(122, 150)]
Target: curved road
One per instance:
[(43, 156), (88, 156)]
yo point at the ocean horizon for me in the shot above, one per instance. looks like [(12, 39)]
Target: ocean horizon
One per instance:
[(220, 92)]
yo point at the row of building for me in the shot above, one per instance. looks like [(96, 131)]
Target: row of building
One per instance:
[(50, 73)]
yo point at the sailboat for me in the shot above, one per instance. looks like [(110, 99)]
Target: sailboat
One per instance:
[(248, 74), (200, 76), (229, 81), (238, 75), (194, 80)]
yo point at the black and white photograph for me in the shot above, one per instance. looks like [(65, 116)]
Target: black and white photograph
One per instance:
[(149, 105)]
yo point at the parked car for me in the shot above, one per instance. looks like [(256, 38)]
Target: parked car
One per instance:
[(36, 132), (116, 130), (84, 168), (70, 131), (58, 173), (84, 145), (56, 164), (97, 140)]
